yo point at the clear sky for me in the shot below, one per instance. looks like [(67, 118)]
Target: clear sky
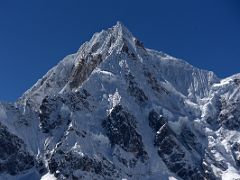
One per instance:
[(35, 35)]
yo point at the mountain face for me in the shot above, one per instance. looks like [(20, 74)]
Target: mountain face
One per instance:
[(117, 110)]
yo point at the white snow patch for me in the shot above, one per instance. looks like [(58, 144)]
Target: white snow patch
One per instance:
[(231, 174), (107, 76), (48, 176), (114, 99), (172, 178)]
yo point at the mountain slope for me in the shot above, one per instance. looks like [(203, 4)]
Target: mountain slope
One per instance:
[(115, 110)]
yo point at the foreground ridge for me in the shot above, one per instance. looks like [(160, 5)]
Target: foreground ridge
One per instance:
[(117, 110)]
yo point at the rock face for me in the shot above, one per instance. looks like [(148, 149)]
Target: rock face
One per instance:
[(14, 156), (121, 130), (173, 149), (117, 110)]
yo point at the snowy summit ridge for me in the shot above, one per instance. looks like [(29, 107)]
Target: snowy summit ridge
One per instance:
[(117, 110)]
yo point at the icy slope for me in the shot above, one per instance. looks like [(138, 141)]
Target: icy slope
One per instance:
[(116, 110)]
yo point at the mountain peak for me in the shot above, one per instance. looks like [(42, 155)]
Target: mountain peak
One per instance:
[(115, 39), (119, 25), (122, 29), (115, 110), (125, 34)]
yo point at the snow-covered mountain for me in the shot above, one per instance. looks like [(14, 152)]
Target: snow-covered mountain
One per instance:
[(117, 110)]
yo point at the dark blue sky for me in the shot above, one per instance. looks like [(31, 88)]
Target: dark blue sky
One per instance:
[(35, 35)]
